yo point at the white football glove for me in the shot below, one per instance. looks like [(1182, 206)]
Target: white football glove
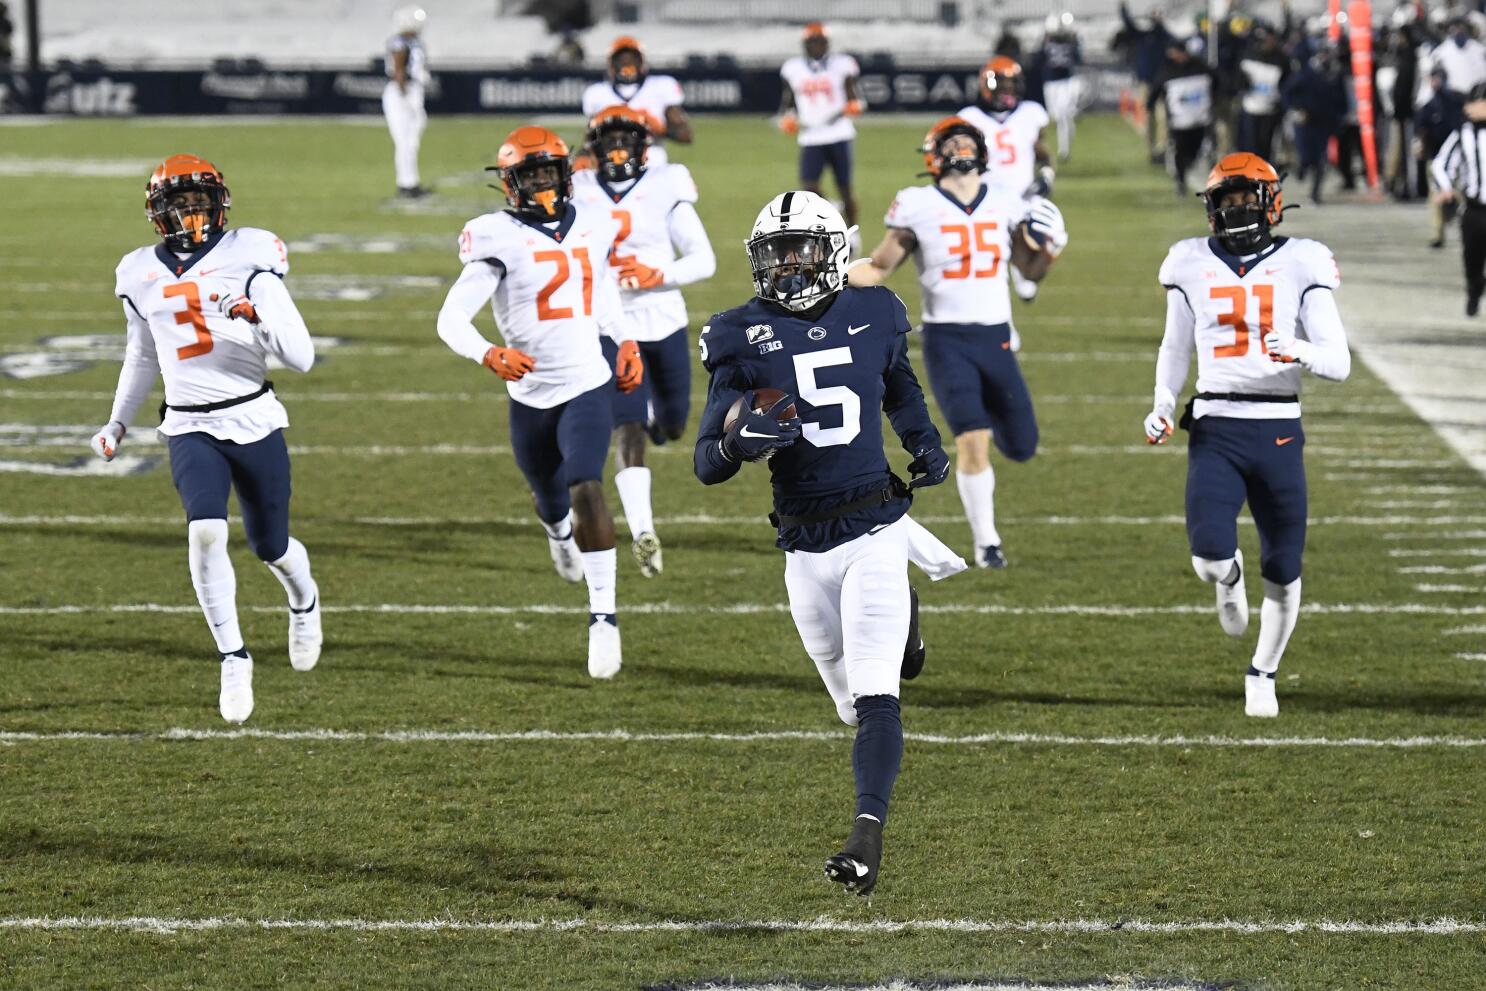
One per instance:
[(1045, 221), (1282, 349), (1016, 341), (106, 441), (235, 305), (1157, 427)]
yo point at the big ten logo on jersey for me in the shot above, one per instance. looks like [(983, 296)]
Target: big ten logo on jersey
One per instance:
[(976, 247), (1236, 317), (68, 353)]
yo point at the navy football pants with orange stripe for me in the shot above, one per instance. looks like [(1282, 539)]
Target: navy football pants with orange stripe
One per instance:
[(1261, 462)]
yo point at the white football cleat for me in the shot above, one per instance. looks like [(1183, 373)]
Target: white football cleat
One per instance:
[(236, 699), (305, 637), (1233, 602), (604, 655), (567, 558), (647, 553), (1258, 696)]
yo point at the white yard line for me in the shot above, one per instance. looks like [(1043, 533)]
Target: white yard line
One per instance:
[(1450, 589), (1460, 631), (1439, 569), (707, 519), (171, 926), (755, 608), (767, 736), (1437, 551), (1467, 656)]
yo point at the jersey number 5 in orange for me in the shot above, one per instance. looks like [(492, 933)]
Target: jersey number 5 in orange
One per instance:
[(545, 309), (190, 315), (1238, 299)]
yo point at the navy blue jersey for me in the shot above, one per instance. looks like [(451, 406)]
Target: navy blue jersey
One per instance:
[(1060, 57), (845, 368)]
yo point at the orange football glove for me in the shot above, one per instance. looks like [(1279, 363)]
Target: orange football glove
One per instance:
[(629, 368), (235, 306), (854, 108), (635, 274), (789, 124), (508, 363)]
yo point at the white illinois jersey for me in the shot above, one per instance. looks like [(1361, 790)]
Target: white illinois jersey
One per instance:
[(1232, 304), (552, 282), (643, 214), (962, 252), (653, 94), (1011, 139), (819, 86), (204, 356)]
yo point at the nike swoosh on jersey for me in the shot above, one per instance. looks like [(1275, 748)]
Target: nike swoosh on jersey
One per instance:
[(1282, 441), (857, 330)]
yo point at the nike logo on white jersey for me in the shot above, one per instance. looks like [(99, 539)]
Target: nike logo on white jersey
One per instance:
[(745, 432), (857, 330)]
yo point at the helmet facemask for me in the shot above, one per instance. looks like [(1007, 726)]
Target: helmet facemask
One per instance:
[(961, 151), (1240, 212), (188, 213), (619, 148), (627, 67), (539, 188), (796, 269), (1000, 91)]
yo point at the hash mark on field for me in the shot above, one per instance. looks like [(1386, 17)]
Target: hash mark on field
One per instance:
[(1468, 656), (1442, 551), (1459, 631), (755, 608), (171, 926), (1440, 569), (1449, 589), (763, 736)]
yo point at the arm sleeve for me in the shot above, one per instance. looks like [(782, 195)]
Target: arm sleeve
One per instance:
[(1444, 163), (903, 401), (1324, 353), (697, 262), (608, 305), (280, 327), (472, 290), (141, 366), (1175, 355), (729, 381)]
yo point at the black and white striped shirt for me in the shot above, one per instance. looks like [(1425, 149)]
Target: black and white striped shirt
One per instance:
[(1459, 163)]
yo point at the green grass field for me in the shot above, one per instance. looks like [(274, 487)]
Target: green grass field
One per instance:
[(1082, 661)]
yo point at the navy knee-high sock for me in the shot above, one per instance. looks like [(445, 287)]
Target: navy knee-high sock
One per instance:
[(877, 753)]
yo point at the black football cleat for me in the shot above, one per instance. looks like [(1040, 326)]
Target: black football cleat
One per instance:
[(855, 867), (991, 557), (913, 650)]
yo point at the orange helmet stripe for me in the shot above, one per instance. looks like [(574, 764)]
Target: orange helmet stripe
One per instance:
[(530, 142)]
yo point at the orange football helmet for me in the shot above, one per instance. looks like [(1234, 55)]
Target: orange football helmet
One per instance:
[(627, 70), (619, 140), (933, 148), (535, 172), (1001, 83), (187, 201), (1243, 227)]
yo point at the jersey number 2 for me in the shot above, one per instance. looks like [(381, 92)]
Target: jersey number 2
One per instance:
[(545, 309), (1239, 300), (190, 315)]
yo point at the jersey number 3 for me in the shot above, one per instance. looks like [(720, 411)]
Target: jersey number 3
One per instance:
[(545, 309), (190, 315), (1238, 299)]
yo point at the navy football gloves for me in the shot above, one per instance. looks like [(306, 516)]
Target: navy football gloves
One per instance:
[(757, 435), (930, 466)]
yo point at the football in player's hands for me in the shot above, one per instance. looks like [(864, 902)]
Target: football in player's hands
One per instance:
[(760, 422)]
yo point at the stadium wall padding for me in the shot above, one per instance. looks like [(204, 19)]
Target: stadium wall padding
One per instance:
[(105, 92)]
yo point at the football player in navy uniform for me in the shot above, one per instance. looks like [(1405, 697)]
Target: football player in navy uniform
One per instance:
[(839, 355)]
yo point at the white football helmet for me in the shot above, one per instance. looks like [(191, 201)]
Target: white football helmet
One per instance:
[(408, 20), (799, 250)]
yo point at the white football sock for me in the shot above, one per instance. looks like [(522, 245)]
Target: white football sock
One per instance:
[(293, 572), (215, 582), (561, 530), (977, 493), (598, 570), (634, 496), (1277, 618)]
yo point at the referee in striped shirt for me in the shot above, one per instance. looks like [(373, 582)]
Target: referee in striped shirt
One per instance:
[(1460, 170)]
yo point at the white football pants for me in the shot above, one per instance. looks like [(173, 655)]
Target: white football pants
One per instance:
[(850, 605), (406, 120), (1062, 106)]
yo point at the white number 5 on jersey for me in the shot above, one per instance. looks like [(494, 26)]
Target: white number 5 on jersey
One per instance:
[(834, 395)]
